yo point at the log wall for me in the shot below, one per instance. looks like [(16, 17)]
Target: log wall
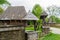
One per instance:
[(10, 34)]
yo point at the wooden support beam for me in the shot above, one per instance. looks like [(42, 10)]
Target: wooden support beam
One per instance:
[(16, 22), (35, 25), (10, 21)]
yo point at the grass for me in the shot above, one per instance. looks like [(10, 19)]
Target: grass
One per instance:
[(30, 27), (51, 36)]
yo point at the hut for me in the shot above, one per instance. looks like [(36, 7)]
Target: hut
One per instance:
[(13, 22), (43, 16), (45, 28)]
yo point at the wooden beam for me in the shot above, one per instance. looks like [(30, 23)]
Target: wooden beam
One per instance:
[(10, 21), (35, 25), (16, 22)]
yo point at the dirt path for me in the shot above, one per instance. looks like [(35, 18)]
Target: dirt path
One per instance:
[(55, 30)]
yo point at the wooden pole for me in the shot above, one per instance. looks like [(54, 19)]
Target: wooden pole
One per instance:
[(35, 25)]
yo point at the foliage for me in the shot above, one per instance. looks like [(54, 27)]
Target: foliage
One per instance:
[(51, 36), (4, 2), (55, 19), (37, 10), (1, 3), (53, 11), (1, 10), (31, 28), (46, 19)]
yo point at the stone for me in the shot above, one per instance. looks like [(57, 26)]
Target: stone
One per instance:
[(32, 35)]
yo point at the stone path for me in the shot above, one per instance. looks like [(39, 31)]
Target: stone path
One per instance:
[(55, 30)]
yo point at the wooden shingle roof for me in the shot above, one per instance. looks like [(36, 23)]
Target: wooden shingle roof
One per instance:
[(17, 13), (44, 13), (30, 16)]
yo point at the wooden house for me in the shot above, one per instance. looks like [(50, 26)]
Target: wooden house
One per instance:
[(16, 16), (13, 21)]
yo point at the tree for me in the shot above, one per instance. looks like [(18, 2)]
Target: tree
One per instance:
[(2, 2), (53, 11), (37, 10), (57, 20), (53, 18)]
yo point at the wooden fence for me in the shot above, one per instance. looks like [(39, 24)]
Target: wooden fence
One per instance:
[(54, 25)]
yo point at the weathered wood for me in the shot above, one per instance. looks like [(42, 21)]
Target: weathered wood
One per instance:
[(32, 35), (35, 25), (14, 22), (12, 17), (12, 33)]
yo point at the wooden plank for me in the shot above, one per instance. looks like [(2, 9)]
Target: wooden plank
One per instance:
[(11, 28)]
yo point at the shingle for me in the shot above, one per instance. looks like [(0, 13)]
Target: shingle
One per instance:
[(30, 16), (17, 13), (44, 13)]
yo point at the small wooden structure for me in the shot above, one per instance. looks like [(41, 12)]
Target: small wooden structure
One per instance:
[(32, 35), (13, 22), (45, 28)]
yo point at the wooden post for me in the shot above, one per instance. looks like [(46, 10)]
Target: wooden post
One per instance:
[(10, 22), (35, 25), (16, 22)]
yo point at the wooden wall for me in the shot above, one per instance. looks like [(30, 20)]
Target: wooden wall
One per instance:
[(13, 22)]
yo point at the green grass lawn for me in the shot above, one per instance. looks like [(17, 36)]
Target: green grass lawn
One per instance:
[(30, 27), (51, 36)]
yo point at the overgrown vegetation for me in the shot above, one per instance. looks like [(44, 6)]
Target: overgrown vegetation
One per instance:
[(37, 10)]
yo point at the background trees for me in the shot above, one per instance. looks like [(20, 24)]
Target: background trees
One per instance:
[(54, 13)]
